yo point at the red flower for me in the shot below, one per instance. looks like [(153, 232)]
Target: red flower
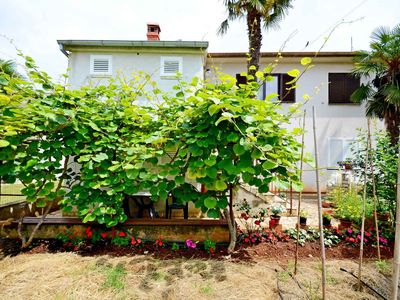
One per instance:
[(367, 234), (211, 250), (70, 237), (133, 241), (138, 241), (257, 222), (103, 235), (352, 240), (246, 240), (243, 215), (89, 234), (246, 217), (122, 234), (160, 243)]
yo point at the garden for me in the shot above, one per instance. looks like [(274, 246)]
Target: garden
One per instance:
[(80, 155)]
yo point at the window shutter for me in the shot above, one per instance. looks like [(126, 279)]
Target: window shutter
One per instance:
[(100, 65), (341, 86), (170, 66)]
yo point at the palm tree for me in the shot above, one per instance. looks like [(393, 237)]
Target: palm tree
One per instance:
[(382, 66), (8, 67), (258, 14)]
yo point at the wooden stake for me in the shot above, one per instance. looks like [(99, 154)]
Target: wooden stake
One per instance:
[(396, 258), (300, 194), (374, 191), (321, 230), (364, 197)]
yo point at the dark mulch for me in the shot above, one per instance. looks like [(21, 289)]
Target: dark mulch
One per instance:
[(280, 251)]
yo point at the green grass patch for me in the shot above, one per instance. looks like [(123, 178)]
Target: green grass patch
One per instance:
[(115, 277)]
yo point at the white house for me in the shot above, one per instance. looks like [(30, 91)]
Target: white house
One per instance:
[(91, 61), (328, 83)]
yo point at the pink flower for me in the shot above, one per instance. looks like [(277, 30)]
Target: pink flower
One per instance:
[(367, 234), (246, 240), (190, 244)]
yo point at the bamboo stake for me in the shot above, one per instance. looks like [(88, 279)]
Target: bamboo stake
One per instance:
[(321, 231), (364, 197), (296, 257), (374, 191), (396, 258)]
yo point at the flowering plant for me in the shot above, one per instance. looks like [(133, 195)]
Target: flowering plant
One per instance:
[(119, 239), (210, 246), (190, 244), (159, 243)]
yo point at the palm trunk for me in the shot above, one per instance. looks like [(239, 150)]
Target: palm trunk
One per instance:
[(254, 33), (392, 123)]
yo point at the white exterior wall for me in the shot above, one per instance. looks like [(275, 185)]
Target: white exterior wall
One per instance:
[(129, 62), (333, 120)]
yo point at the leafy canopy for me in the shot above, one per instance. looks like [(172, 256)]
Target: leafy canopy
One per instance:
[(89, 148)]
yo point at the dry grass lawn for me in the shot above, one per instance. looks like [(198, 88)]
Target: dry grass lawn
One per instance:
[(70, 276)]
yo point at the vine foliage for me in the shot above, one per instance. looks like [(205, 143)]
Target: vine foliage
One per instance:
[(87, 149)]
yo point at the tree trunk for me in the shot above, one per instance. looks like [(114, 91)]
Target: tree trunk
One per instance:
[(392, 122), (255, 37)]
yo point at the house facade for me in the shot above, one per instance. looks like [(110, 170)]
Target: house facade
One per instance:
[(95, 61), (328, 83)]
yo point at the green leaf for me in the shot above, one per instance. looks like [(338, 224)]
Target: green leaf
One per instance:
[(210, 162), (100, 157), (268, 165), (213, 213), (132, 173), (220, 185), (212, 172), (305, 61), (232, 137), (213, 108), (89, 218), (4, 143), (294, 73), (210, 202), (222, 203), (256, 154), (238, 149)]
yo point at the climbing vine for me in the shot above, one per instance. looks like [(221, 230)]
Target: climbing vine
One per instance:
[(87, 149)]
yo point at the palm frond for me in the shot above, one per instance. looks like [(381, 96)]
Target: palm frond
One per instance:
[(363, 93)]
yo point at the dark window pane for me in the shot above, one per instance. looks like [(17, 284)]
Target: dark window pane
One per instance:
[(240, 79), (286, 95), (341, 86)]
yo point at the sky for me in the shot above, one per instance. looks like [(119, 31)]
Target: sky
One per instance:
[(35, 25)]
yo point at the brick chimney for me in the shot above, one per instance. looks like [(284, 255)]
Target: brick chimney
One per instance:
[(153, 32)]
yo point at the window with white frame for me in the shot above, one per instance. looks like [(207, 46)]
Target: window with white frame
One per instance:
[(340, 150), (170, 65), (277, 83), (100, 65)]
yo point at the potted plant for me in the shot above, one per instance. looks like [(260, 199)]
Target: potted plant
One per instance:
[(348, 207), (346, 164), (326, 219), (275, 217), (303, 217)]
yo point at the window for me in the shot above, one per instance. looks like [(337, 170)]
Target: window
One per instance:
[(341, 86), (340, 150), (278, 85), (170, 66), (101, 65)]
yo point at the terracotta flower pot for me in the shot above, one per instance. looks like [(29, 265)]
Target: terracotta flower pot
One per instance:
[(274, 221)]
